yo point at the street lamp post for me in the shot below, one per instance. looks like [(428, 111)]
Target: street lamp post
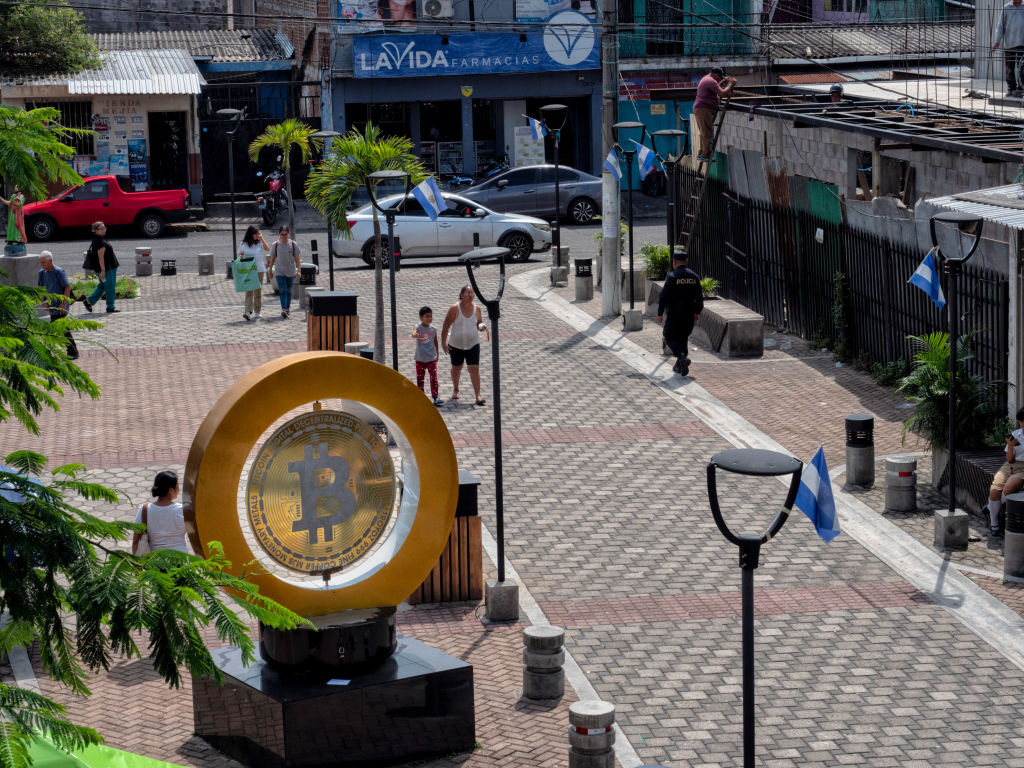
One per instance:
[(964, 223), (758, 463), (632, 320), (502, 599), (389, 215), (236, 116), (551, 113), (328, 136), (671, 163)]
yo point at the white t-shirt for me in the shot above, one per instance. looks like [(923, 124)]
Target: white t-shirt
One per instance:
[(1018, 449), (165, 525), (254, 252)]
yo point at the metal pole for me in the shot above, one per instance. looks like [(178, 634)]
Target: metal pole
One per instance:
[(390, 216), (499, 494), (629, 218), (953, 270), (558, 207), (747, 591), (671, 209), (231, 187), (330, 251)]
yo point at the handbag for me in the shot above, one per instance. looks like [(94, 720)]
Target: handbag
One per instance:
[(144, 548), (245, 275)]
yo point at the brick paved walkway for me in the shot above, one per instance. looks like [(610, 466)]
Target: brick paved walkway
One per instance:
[(607, 526)]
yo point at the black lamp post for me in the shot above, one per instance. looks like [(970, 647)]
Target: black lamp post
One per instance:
[(471, 260), (235, 116), (748, 461), (964, 222), (671, 164), (328, 136), (629, 154), (551, 113), (389, 216)]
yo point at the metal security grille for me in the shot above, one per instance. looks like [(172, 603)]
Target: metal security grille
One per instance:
[(73, 114)]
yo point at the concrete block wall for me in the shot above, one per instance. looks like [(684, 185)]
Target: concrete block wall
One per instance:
[(135, 15)]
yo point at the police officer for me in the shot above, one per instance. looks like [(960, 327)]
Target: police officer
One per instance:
[(684, 300)]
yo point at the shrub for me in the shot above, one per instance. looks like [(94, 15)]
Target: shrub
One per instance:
[(124, 288), (709, 286), (657, 260)]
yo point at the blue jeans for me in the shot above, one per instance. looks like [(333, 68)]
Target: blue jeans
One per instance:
[(105, 287), (284, 288)]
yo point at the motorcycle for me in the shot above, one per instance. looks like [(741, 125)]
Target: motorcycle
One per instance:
[(493, 167), (274, 199)]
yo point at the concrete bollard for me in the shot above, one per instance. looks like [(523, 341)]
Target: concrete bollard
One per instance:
[(560, 256), (1013, 543), (559, 275), (205, 263), (591, 736), (227, 270), (303, 295), (900, 484), (143, 261), (543, 657), (355, 347), (860, 450), (584, 279)]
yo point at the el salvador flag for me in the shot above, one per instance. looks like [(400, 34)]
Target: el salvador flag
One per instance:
[(611, 164), (430, 197), (814, 497), (537, 129), (927, 279), (645, 159)]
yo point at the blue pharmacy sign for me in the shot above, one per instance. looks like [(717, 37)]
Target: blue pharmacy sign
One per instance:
[(568, 42)]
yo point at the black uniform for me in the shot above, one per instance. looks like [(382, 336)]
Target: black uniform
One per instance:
[(681, 299)]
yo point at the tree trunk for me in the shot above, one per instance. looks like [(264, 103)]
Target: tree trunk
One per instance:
[(291, 202), (378, 294)]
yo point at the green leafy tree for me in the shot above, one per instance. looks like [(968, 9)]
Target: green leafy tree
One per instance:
[(282, 137), (332, 184), (33, 149), (44, 37), (64, 582)]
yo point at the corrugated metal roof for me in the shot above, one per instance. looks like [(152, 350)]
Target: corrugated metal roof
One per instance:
[(812, 77), (793, 42), (219, 44), (130, 72), (1004, 205)]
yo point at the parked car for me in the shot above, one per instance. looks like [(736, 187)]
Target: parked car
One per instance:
[(452, 234), (110, 199), (531, 190)]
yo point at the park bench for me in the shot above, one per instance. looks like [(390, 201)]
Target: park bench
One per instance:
[(731, 328), (975, 471)]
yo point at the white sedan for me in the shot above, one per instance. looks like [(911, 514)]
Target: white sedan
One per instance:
[(465, 225)]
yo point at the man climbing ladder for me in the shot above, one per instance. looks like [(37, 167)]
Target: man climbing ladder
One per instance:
[(710, 92)]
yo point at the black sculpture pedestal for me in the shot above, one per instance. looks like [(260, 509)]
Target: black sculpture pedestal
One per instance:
[(418, 703)]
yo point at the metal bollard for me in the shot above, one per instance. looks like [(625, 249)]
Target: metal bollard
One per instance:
[(543, 657), (227, 271), (205, 263), (1013, 543), (900, 484), (860, 450), (591, 736), (584, 279)]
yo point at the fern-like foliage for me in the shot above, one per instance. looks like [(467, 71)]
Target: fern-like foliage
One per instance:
[(25, 713), (34, 149)]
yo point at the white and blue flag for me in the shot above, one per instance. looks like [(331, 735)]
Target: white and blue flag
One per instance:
[(611, 164), (644, 158), (927, 279), (430, 197), (814, 497), (537, 129)]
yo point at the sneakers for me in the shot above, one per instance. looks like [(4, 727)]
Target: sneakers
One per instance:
[(994, 532), (247, 317), (284, 314), (705, 159), (88, 305), (438, 401), (256, 316), (111, 309)]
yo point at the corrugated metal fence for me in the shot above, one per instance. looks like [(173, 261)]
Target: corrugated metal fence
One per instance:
[(783, 264)]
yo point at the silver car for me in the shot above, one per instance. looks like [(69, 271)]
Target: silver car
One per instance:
[(463, 226), (531, 190)]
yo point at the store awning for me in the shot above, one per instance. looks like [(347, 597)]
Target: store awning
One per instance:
[(167, 71)]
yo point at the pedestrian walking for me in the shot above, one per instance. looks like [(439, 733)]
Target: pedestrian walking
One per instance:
[(253, 246), (100, 258), (1010, 37), (1010, 477), (709, 98), (164, 518), (15, 217), (425, 356), (460, 338), (683, 299), (285, 270), (55, 281)]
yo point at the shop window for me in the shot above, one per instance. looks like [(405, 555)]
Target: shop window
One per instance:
[(441, 120), (846, 6), (73, 114)]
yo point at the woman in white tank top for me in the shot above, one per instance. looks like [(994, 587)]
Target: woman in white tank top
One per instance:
[(464, 321)]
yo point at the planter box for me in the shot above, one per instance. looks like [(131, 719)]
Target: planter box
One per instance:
[(731, 328), (652, 295)]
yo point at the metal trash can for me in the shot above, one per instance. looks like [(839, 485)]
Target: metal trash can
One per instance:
[(307, 275), (900, 484), (205, 263), (168, 267), (366, 352), (860, 450), (1013, 543), (584, 279)]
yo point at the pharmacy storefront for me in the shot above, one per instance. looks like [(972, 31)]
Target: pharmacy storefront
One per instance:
[(464, 98)]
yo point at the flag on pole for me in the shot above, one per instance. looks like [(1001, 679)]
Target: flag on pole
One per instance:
[(644, 158), (537, 129), (814, 497), (430, 197), (611, 164), (927, 279)]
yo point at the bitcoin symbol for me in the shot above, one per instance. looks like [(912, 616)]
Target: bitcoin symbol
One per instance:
[(339, 501)]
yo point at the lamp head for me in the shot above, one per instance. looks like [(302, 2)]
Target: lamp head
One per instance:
[(230, 114), (384, 176), (628, 125), (670, 134), (480, 255), (325, 135), (966, 224), (555, 113)]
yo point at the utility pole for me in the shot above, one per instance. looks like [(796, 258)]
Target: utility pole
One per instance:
[(611, 266)]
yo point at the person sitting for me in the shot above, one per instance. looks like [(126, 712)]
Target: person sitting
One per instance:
[(1010, 477)]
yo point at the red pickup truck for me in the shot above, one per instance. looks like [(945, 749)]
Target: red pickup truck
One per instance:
[(110, 199)]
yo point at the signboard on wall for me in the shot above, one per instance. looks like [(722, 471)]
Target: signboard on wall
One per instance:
[(358, 16), (528, 150), (568, 42)]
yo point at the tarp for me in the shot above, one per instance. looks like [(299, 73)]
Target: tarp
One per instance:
[(46, 755)]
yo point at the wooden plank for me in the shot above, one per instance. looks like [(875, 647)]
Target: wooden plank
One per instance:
[(444, 570), (476, 559), (458, 541)]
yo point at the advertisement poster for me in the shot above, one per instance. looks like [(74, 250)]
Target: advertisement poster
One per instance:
[(137, 167), (119, 165), (358, 16), (136, 119), (120, 119), (100, 123), (528, 150)]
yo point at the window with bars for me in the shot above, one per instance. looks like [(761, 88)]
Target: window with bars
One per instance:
[(846, 6), (73, 114)]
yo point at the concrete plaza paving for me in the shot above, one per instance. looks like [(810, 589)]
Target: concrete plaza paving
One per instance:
[(862, 658)]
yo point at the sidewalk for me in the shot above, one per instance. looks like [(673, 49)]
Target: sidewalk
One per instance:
[(608, 530)]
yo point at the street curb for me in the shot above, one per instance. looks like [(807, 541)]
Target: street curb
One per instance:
[(990, 619)]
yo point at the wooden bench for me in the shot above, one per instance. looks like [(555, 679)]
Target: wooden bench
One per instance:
[(731, 328)]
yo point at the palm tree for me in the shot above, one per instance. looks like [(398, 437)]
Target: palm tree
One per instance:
[(330, 187), (283, 136), (34, 149)]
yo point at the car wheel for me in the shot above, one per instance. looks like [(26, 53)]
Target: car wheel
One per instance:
[(42, 228), (368, 255), (582, 210), (519, 246), (151, 225)]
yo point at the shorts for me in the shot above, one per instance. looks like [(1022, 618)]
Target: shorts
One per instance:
[(1006, 472), (468, 356)]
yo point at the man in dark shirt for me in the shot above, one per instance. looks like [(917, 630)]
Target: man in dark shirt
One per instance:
[(55, 281), (683, 299)]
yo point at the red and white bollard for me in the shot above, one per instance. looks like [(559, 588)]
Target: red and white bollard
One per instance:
[(591, 734)]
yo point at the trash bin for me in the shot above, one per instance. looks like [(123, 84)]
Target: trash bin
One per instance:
[(860, 450), (584, 279), (168, 267), (1013, 541), (307, 275), (143, 261)]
